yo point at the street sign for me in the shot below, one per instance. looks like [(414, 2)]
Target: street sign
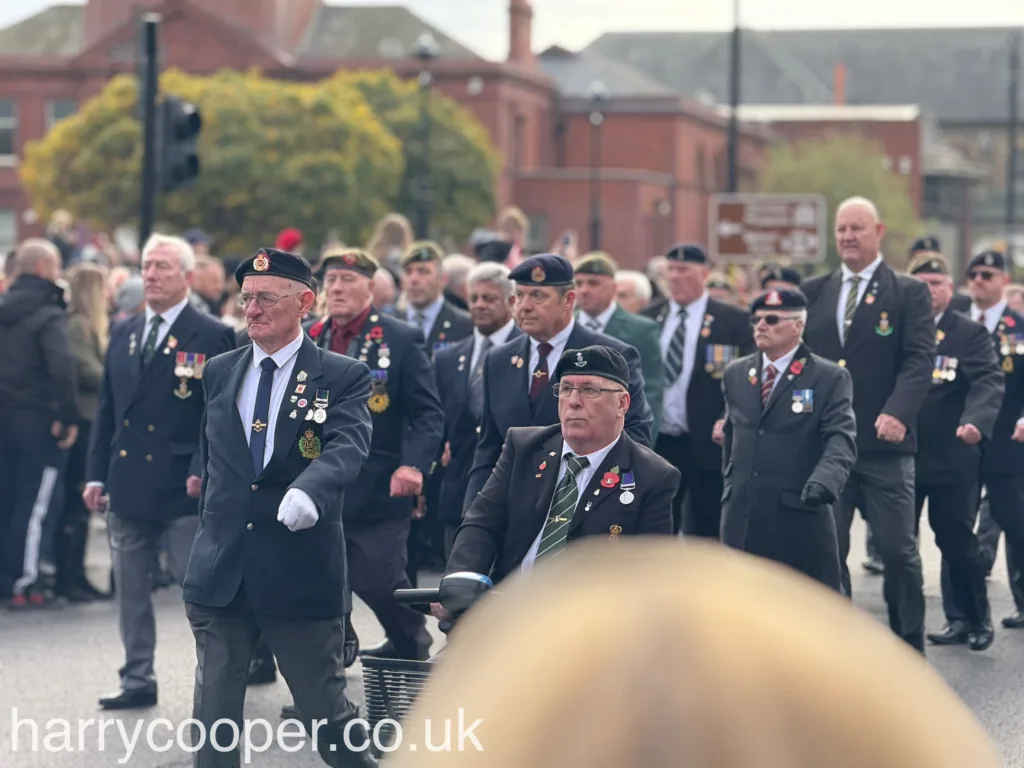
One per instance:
[(751, 227)]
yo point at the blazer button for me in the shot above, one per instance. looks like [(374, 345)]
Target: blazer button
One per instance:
[(760, 431), (149, 457), (841, 363), (254, 487), (248, 527), (127, 423), (152, 428), (123, 453)]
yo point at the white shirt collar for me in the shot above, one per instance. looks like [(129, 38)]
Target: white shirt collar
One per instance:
[(996, 310), (695, 308), (865, 274), (596, 457), (500, 336), (603, 318), (782, 363), (169, 316), (559, 339), (282, 356)]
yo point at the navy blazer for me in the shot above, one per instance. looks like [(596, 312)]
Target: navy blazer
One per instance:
[(462, 429), (408, 422), (300, 574), (507, 399), (144, 443)]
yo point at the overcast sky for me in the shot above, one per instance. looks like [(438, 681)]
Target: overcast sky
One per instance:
[(481, 24)]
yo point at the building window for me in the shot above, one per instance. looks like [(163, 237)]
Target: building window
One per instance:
[(518, 141), (537, 241), (58, 109), (8, 230), (701, 163), (8, 131)]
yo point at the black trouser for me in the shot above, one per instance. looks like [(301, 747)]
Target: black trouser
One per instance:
[(376, 568), (701, 489), (29, 471), (951, 513), (73, 534), (1005, 497)]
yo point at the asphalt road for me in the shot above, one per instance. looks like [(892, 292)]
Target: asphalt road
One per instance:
[(55, 664)]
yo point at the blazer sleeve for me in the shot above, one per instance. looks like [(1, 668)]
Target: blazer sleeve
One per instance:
[(488, 447), (657, 509), (101, 435), (485, 523), (838, 436), (918, 356), (225, 343), (648, 345), (422, 439), (987, 383), (639, 418), (346, 441), (727, 430)]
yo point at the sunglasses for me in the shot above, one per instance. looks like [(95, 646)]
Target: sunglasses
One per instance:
[(974, 274), (769, 319)]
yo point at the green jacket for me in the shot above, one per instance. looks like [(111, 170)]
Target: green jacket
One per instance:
[(644, 335)]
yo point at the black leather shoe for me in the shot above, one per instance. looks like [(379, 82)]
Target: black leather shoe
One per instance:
[(262, 672), (139, 699), (874, 565), (385, 650), (954, 633), (1014, 621), (351, 649), (980, 638)]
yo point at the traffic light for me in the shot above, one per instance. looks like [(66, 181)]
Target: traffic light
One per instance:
[(180, 125)]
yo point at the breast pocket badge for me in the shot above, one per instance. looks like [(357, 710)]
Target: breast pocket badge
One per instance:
[(884, 327), (309, 445), (803, 401), (717, 357), (379, 400), (945, 369), (187, 365)]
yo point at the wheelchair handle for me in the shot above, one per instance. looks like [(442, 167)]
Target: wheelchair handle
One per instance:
[(417, 596)]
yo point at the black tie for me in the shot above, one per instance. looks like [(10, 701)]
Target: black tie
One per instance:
[(261, 414), (150, 346)]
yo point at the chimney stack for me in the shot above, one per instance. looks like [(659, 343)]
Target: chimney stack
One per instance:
[(520, 18), (839, 84)]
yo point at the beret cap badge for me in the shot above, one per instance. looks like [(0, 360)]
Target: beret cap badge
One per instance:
[(773, 300), (349, 258), (537, 275), (261, 262), (580, 362)]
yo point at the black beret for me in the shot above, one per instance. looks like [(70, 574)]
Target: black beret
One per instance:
[(596, 264), (493, 250), (928, 243), (351, 259), (780, 274), (422, 251), (993, 259), (784, 300), (928, 263), (544, 269), (691, 253), (271, 262), (593, 361)]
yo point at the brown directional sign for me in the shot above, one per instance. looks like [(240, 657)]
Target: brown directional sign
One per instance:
[(750, 228)]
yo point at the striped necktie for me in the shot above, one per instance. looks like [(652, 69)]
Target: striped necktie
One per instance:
[(563, 505), (676, 350), (851, 305), (766, 385)]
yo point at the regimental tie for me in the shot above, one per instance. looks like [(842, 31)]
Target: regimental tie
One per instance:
[(476, 380), (261, 414), (539, 378), (563, 505), (851, 305), (421, 322), (593, 325), (766, 385), (149, 349), (676, 350)]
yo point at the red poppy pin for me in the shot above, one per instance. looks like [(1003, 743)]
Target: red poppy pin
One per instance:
[(543, 465), (316, 329), (796, 367), (610, 480), (376, 333), (1009, 322)]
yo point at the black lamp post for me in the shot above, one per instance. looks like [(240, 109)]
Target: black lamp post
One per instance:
[(597, 96), (426, 52)]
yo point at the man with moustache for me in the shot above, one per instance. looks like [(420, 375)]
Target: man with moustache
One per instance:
[(459, 373), (424, 282), (879, 325), (960, 410), (790, 440), (270, 555), (700, 336), (598, 311), (517, 374)]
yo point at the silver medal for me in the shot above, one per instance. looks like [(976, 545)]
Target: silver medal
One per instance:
[(180, 371), (384, 362), (626, 497), (309, 415), (320, 416), (798, 407)]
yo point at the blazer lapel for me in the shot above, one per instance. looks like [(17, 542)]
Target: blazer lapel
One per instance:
[(238, 429), (945, 325), (786, 382), (181, 332), (615, 465), (539, 489), (520, 375), (442, 325), (306, 371), (862, 316), (830, 298)]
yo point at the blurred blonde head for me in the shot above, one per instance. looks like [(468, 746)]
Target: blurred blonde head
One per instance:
[(391, 237), (655, 654), (88, 289)]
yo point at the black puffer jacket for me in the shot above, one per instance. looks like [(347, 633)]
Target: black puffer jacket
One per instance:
[(37, 370)]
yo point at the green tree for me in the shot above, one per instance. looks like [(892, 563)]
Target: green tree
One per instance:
[(273, 154), (464, 165), (841, 166)]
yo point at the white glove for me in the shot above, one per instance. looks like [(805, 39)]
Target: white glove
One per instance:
[(297, 511)]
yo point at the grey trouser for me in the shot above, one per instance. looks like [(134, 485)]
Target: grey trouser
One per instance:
[(881, 485), (309, 652), (135, 546)]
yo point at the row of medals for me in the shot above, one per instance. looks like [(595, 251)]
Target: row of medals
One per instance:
[(184, 371), (319, 411), (945, 374)]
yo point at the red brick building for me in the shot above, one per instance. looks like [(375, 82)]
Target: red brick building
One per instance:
[(661, 157)]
